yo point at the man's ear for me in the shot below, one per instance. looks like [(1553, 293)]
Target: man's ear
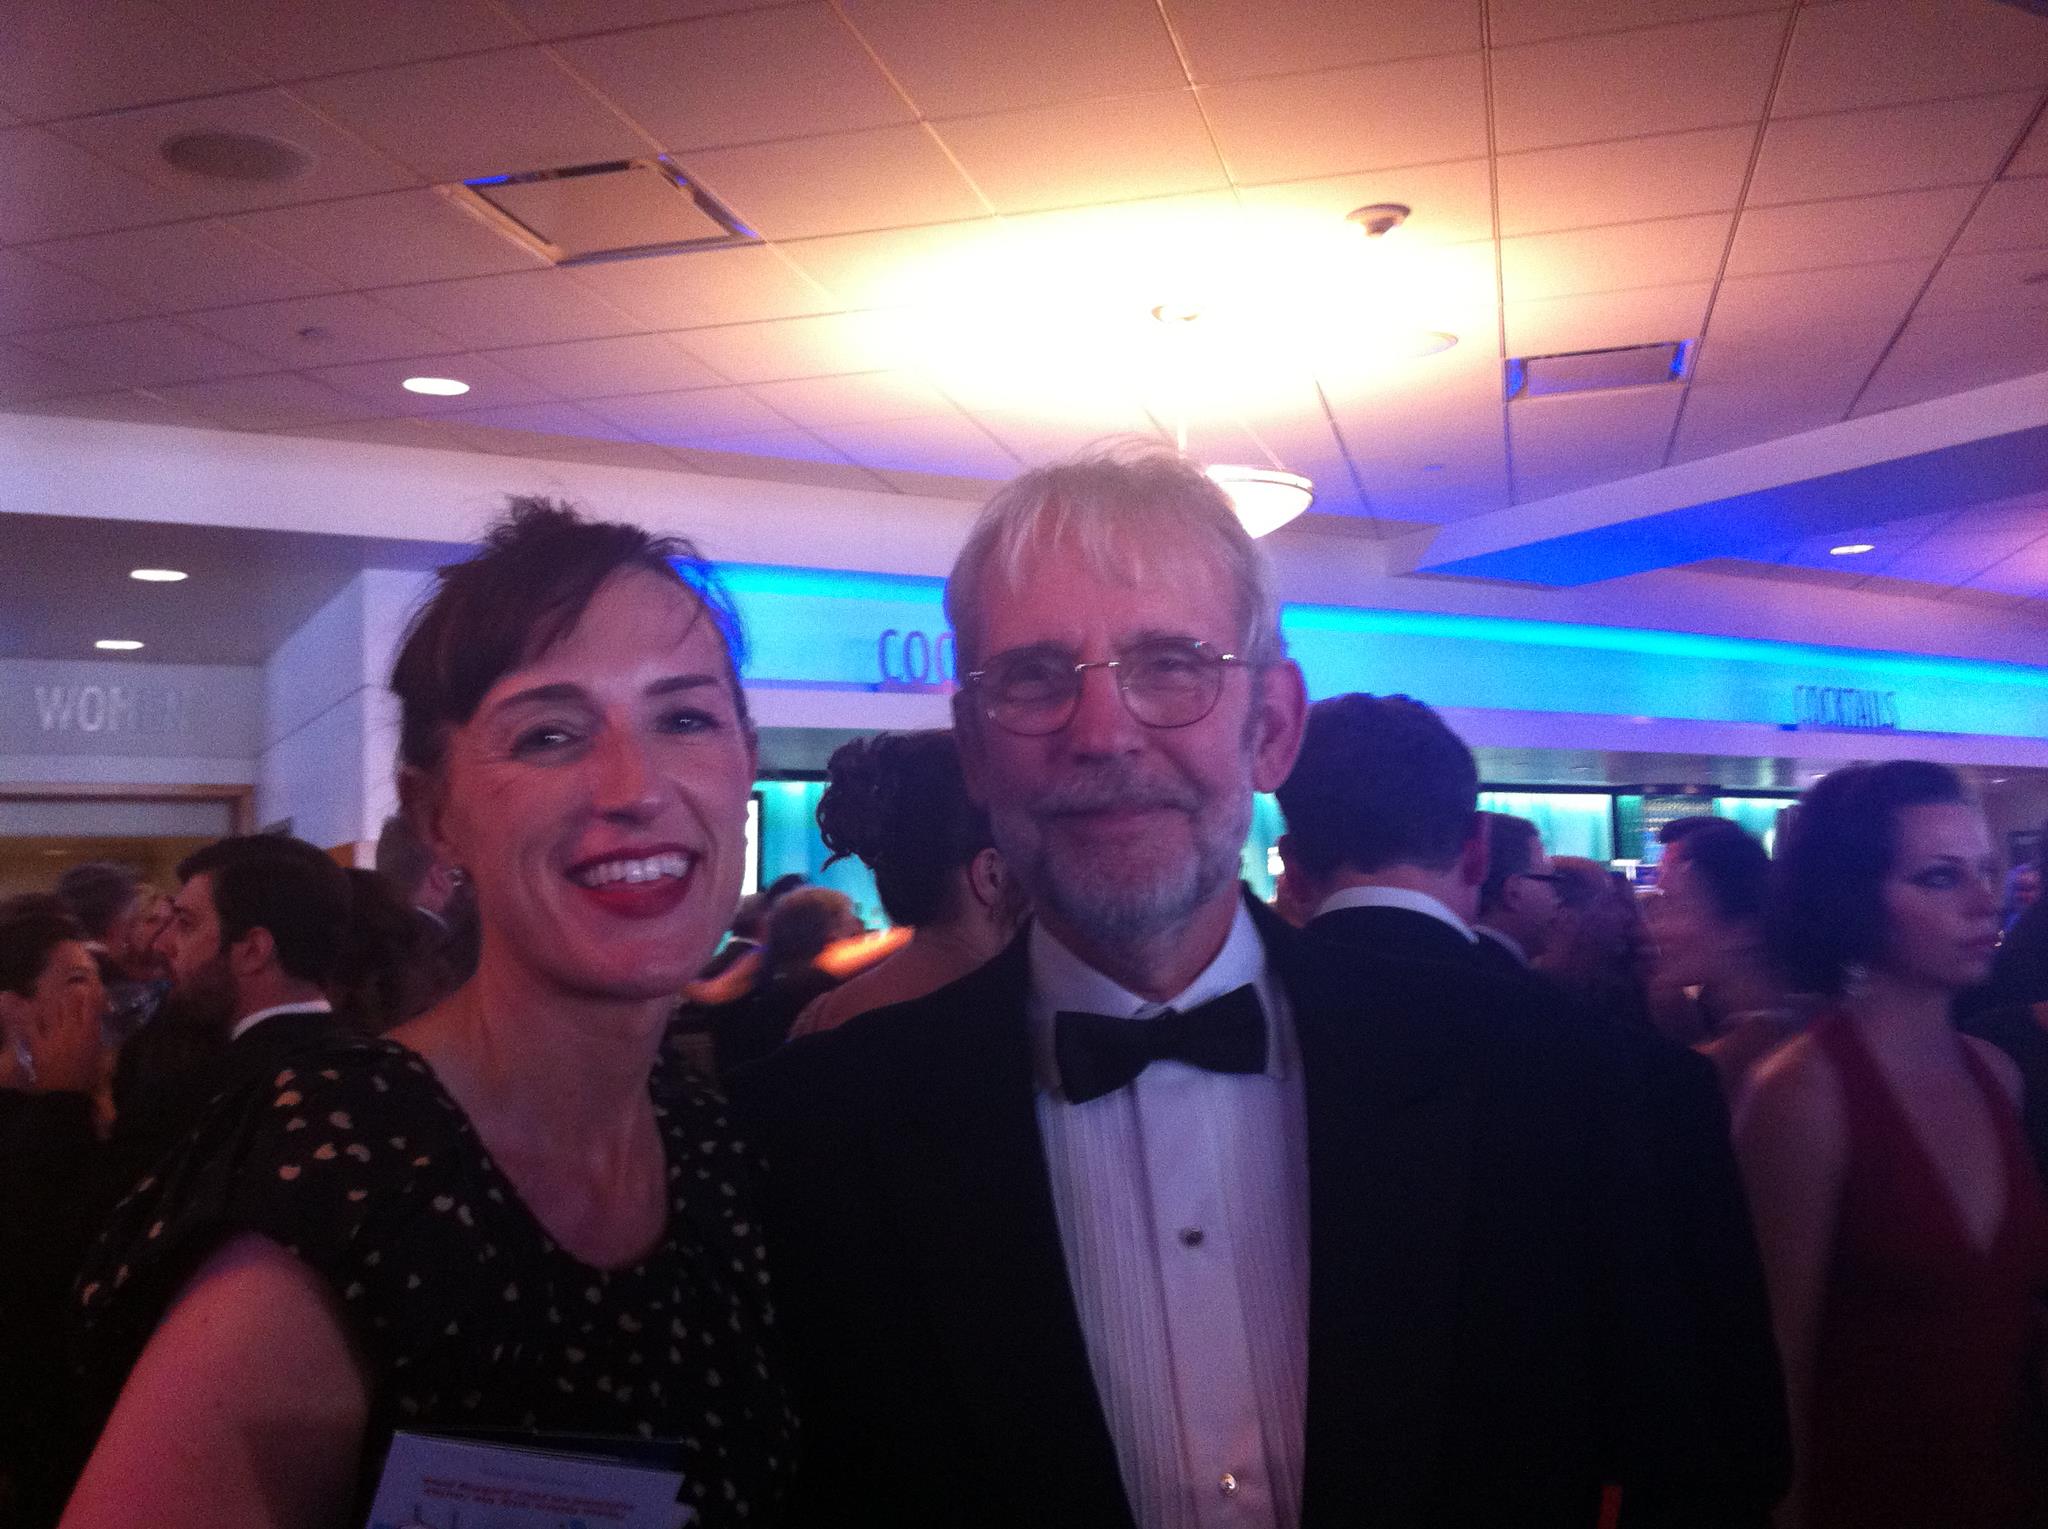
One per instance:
[(254, 952), (1279, 717), (986, 877), (1474, 859), (967, 738)]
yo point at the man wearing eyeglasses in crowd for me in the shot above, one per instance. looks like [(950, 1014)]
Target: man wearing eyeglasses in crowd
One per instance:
[(1518, 901), (1159, 1219)]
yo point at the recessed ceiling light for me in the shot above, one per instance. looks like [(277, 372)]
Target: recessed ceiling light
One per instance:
[(158, 575), (1851, 549), (436, 387), (117, 645)]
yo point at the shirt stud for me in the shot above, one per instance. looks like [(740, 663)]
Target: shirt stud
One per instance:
[(1227, 1485), (1191, 1236)]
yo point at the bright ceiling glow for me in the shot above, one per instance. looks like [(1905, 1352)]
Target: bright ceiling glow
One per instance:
[(158, 575), (1048, 318), (1851, 549), (435, 387), (117, 645), (1264, 497)]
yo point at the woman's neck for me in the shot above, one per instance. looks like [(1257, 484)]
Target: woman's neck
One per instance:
[(1909, 1021), (557, 1071)]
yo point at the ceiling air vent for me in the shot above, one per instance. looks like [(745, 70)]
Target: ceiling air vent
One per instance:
[(618, 210), (1598, 371)]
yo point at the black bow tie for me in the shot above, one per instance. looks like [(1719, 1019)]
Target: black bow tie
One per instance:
[(1101, 1053)]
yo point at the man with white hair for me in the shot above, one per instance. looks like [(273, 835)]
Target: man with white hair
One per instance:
[(1162, 1218)]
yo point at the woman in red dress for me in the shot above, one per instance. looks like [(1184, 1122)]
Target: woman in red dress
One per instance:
[(1904, 1232)]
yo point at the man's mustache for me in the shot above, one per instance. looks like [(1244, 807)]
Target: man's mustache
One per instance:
[(1113, 789)]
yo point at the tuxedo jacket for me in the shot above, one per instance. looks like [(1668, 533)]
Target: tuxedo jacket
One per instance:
[(1476, 1356)]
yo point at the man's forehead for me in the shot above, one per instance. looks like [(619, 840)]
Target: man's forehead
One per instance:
[(1057, 586), (196, 895)]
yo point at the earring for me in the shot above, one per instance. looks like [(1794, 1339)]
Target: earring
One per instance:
[(1855, 980)]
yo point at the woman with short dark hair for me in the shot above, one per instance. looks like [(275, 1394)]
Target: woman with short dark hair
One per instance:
[(1903, 1230), (509, 1215), (899, 803)]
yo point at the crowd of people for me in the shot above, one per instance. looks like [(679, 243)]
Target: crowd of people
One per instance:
[(1463, 1185)]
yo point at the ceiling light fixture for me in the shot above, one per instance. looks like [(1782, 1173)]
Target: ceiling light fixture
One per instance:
[(435, 387), (1851, 549), (117, 645), (158, 575), (1379, 218), (1265, 498)]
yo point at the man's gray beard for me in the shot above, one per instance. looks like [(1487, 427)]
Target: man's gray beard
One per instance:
[(1115, 915)]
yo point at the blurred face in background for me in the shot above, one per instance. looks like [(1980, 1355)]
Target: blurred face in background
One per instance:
[(1684, 926), (1940, 898), (192, 953)]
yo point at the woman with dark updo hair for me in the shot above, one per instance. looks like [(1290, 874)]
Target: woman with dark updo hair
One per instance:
[(509, 1216), (1904, 1233), (898, 802)]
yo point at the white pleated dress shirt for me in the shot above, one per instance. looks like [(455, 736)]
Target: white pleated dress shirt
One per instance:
[(1183, 1212)]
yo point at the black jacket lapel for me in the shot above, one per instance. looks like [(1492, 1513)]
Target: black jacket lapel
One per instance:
[(967, 1169)]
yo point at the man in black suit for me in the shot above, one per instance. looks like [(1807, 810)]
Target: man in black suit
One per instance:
[(1163, 1217), (1519, 901), (1386, 844)]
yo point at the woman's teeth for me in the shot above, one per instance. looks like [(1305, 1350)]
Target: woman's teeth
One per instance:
[(649, 868)]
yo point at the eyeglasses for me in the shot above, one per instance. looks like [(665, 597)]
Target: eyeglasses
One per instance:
[(1167, 682), (1555, 878)]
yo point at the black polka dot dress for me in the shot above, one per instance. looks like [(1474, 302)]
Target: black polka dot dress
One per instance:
[(468, 1314)]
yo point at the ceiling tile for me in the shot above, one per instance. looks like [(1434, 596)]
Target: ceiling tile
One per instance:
[(751, 77), (637, 363), (2001, 279), (572, 18), (715, 286), (179, 266), (295, 39), (335, 330), (378, 383), (950, 444), (1943, 353), (1072, 155), (1720, 417), (2012, 215), (1808, 235), (540, 419), (487, 114), (50, 188), (900, 265), (1792, 352), (65, 59), (1669, 176), (1674, 79), (1450, 203), (146, 352), (1421, 111), (2032, 158), (828, 345), (789, 456), (393, 239), (341, 165), (1511, 22), (819, 403), (517, 308), (1888, 52), (688, 418), (1227, 40), (25, 375), (888, 177), (1895, 148), (1645, 316), (955, 59), (280, 401), (1664, 253), (1564, 443), (1034, 439), (34, 295), (1845, 295)]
